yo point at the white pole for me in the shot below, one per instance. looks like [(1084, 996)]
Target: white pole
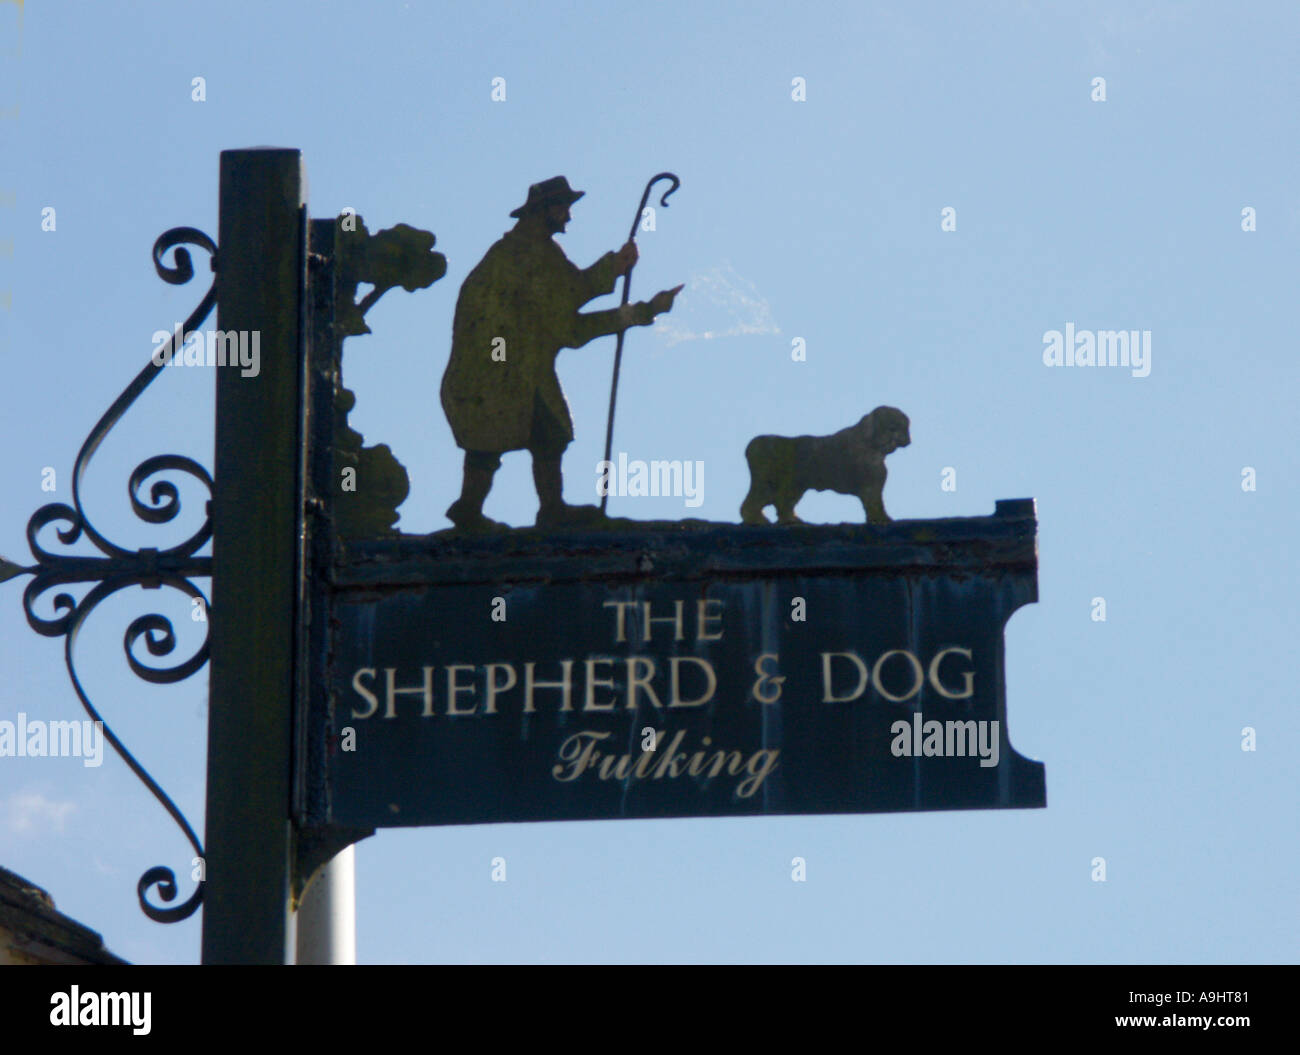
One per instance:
[(327, 917)]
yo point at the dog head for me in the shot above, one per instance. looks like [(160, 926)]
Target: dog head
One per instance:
[(885, 429)]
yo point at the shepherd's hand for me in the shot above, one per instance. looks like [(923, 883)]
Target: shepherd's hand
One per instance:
[(663, 301), (626, 257)]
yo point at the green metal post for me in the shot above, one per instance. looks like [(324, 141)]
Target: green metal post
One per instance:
[(256, 519)]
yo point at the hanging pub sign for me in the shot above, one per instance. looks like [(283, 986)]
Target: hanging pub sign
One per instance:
[(593, 667), (582, 667)]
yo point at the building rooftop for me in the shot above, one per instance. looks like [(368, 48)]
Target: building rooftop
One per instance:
[(33, 931)]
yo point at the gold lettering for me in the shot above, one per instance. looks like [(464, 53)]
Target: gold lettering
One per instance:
[(362, 691), (640, 681), (703, 618), (579, 754), (696, 766), (620, 623), (675, 663), (730, 759), (666, 755), (426, 690), (576, 751), (592, 683), (675, 619), (769, 683), (565, 684), (761, 763), (880, 685), (827, 695), (453, 689), (493, 689), (969, 675), (643, 764), (621, 764)]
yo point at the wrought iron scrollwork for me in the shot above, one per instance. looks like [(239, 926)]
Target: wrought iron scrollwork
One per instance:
[(122, 567)]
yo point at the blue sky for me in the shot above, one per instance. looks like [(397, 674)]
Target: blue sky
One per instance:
[(818, 220)]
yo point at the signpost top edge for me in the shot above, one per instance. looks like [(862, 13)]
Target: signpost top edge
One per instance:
[(1003, 543)]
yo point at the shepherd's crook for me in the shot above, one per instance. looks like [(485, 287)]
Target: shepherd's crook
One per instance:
[(627, 285)]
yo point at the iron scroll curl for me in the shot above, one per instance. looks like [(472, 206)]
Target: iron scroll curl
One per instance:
[(154, 499)]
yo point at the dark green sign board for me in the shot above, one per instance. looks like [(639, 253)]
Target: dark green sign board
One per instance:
[(707, 672)]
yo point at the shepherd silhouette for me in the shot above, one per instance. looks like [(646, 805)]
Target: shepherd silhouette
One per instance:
[(516, 310)]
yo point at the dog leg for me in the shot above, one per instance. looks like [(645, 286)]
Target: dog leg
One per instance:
[(751, 509), (874, 506), (785, 509)]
